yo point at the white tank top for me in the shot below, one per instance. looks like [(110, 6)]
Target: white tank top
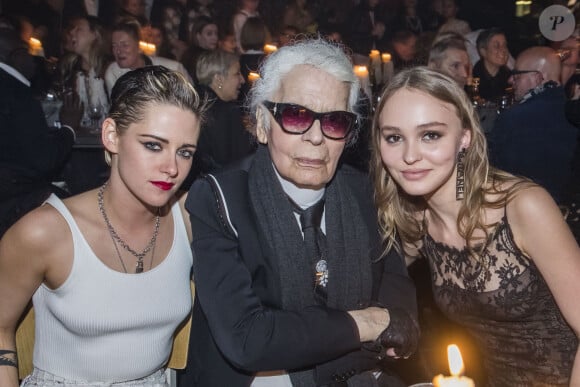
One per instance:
[(107, 326)]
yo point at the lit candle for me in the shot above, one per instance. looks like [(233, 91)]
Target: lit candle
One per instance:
[(456, 368), (269, 48), (148, 49), (35, 47), (253, 77), (363, 76), (388, 67), (375, 57)]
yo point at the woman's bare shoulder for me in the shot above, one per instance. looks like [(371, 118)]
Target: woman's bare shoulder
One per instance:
[(531, 199), (38, 234)]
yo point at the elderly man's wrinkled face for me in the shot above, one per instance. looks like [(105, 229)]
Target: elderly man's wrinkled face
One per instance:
[(308, 160), (456, 64)]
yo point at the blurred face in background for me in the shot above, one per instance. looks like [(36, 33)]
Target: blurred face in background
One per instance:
[(81, 37), (134, 7), (207, 38), (456, 64), (496, 52), (287, 35), (227, 86), (406, 49), (524, 82), (448, 9), (228, 43), (152, 35), (250, 5), (125, 50)]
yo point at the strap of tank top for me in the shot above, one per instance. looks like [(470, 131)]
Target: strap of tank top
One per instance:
[(58, 205), (178, 221)]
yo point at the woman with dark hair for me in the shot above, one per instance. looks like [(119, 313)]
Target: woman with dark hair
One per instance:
[(253, 37), (203, 38), (108, 270), (246, 9), (492, 69)]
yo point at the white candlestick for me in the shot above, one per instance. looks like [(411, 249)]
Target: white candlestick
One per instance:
[(363, 76), (375, 57), (388, 67)]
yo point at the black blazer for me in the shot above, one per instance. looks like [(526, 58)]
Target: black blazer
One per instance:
[(31, 155), (238, 325)]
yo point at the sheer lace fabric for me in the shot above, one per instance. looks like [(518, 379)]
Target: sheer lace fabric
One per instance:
[(503, 301)]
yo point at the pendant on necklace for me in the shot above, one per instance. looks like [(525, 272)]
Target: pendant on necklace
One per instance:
[(139, 268), (321, 273)]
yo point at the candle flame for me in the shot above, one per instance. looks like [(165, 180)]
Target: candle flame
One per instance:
[(147, 48), (253, 76), (35, 42), (269, 48), (374, 53), (455, 360), (361, 70)]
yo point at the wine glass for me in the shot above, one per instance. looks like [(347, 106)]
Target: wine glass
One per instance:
[(95, 113)]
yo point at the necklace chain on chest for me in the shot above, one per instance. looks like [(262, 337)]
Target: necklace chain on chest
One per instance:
[(117, 239)]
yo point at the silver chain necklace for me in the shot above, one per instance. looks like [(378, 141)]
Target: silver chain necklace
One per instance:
[(117, 239)]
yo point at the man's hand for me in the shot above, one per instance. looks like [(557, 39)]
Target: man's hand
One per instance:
[(402, 334)]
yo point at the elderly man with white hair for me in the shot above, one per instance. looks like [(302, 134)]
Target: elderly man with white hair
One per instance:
[(294, 286)]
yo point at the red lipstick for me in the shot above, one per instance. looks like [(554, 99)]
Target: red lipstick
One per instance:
[(163, 185)]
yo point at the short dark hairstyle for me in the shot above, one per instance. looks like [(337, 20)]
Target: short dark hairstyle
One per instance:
[(198, 24), (254, 34), (485, 36)]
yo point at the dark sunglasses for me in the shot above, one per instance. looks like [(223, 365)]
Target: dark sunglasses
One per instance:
[(296, 119), (518, 72)]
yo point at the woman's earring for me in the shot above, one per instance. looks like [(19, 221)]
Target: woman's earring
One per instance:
[(460, 182), (220, 86)]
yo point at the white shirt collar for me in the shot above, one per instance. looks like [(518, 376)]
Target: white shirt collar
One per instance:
[(304, 197), (12, 71)]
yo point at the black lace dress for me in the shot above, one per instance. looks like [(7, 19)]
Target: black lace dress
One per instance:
[(507, 307)]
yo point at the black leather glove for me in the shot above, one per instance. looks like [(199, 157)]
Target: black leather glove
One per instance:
[(402, 334)]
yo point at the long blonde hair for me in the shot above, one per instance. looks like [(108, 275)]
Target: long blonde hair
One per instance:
[(397, 211)]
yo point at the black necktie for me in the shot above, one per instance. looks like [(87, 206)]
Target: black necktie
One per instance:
[(315, 245)]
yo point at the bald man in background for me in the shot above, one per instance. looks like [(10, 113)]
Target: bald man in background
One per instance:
[(533, 137)]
